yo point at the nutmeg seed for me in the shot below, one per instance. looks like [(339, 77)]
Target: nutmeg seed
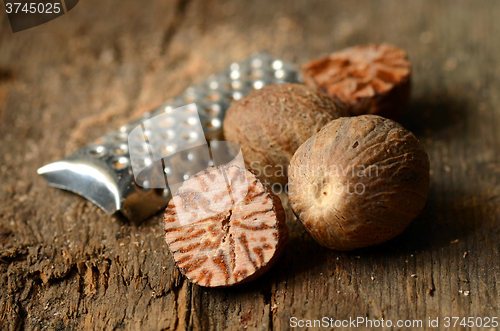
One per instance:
[(224, 227), (359, 182), (368, 79), (271, 123)]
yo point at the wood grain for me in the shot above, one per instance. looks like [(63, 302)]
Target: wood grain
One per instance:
[(65, 264)]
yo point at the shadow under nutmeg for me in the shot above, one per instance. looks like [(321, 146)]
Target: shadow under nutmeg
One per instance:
[(444, 221), (433, 112)]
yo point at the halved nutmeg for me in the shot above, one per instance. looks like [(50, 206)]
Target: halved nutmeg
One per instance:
[(224, 226), (368, 79)]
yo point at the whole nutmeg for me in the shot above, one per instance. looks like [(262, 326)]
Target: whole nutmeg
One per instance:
[(369, 79), (359, 182), (271, 123)]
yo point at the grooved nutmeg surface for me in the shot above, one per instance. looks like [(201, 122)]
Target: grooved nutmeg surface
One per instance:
[(271, 123), (368, 79), (359, 182), (224, 226)]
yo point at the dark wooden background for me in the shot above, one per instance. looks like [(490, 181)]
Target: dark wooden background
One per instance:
[(66, 265)]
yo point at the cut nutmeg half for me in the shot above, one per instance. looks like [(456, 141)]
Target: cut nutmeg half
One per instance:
[(368, 79), (271, 123), (359, 182), (224, 226)]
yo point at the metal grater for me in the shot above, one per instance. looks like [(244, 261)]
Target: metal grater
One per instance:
[(102, 171)]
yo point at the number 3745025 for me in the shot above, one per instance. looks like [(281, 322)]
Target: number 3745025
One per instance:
[(33, 7), (484, 322)]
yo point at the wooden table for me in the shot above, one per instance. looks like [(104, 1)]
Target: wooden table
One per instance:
[(66, 265)]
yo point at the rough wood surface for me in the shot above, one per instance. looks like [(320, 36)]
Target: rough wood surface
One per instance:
[(65, 264)]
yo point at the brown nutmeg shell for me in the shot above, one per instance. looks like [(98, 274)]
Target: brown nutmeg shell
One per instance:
[(359, 182), (368, 79), (271, 123)]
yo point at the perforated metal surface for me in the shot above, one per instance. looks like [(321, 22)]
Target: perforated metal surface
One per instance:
[(103, 170)]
